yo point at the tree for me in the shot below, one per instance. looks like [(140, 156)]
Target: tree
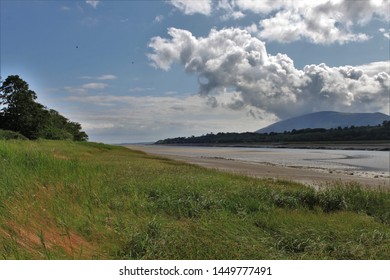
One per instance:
[(75, 129), (54, 127), (20, 112)]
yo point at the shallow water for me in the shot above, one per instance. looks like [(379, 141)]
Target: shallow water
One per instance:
[(336, 160)]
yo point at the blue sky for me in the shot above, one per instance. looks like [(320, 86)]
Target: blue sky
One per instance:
[(132, 71)]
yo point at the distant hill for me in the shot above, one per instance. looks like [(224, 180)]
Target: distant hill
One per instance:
[(326, 119)]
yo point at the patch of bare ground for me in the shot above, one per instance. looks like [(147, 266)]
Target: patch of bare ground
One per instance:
[(40, 234), (31, 226), (58, 155)]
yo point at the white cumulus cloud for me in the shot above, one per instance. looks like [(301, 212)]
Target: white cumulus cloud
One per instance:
[(319, 21), (229, 10), (385, 33), (261, 7), (159, 18), (289, 25), (83, 89), (236, 62), (93, 4), (106, 77), (322, 21), (101, 77), (192, 7), (94, 86)]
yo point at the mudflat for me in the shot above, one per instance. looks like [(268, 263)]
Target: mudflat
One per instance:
[(307, 175)]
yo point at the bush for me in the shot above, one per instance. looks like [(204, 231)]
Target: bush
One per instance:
[(54, 133), (332, 200), (8, 135)]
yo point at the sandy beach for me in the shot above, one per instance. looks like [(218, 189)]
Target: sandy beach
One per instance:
[(308, 175)]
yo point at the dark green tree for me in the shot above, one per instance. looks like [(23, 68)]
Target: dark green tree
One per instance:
[(75, 129), (20, 112), (55, 127)]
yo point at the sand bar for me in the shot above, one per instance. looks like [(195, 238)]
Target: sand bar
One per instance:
[(312, 176)]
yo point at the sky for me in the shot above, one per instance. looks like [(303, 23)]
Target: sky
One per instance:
[(140, 71)]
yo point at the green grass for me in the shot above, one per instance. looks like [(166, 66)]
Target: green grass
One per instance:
[(67, 200)]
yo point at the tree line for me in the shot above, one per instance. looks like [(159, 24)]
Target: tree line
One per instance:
[(352, 133), (21, 113)]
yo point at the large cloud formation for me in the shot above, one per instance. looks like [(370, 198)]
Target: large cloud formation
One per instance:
[(232, 60), (319, 21)]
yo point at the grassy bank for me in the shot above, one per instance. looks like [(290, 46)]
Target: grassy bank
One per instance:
[(65, 200)]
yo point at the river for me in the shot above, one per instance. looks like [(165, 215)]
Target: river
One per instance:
[(359, 162)]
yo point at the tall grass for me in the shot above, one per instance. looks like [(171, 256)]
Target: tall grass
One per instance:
[(66, 200)]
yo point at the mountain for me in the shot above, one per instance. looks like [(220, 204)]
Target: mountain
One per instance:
[(326, 119)]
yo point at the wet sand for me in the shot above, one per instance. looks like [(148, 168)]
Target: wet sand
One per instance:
[(309, 176)]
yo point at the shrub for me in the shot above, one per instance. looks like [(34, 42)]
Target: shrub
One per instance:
[(8, 135)]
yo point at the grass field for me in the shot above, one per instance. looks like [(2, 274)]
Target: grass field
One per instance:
[(66, 200)]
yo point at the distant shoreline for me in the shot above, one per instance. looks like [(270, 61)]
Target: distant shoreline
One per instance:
[(366, 146)]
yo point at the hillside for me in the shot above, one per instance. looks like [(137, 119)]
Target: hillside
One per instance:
[(357, 134), (327, 120), (67, 200)]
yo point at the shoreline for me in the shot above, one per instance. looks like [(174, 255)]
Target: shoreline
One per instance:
[(367, 146), (314, 177)]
